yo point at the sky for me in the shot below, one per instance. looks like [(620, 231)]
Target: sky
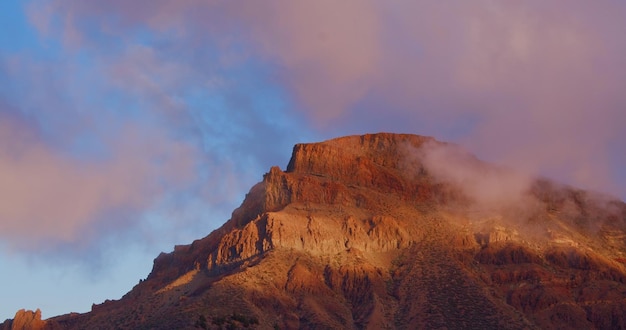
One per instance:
[(127, 127)]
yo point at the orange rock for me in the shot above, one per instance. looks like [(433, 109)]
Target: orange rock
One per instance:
[(358, 233)]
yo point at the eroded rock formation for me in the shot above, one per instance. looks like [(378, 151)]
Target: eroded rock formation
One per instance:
[(26, 320), (359, 232)]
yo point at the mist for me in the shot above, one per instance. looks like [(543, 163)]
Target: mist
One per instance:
[(488, 185)]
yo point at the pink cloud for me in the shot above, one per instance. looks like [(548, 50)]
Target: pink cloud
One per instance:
[(491, 187), (47, 197), (543, 79)]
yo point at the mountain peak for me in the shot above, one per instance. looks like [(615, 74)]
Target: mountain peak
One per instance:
[(338, 155), (391, 231)]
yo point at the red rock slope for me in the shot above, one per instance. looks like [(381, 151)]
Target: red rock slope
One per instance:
[(365, 232)]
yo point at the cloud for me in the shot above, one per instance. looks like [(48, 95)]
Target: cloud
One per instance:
[(489, 186), (532, 84), (47, 198), (139, 137)]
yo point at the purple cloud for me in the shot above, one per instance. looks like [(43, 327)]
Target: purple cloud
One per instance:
[(532, 85)]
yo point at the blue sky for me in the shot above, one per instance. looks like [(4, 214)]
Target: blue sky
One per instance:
[(130, 127)]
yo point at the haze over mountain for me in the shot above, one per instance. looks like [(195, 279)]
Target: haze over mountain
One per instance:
[(388, 231)]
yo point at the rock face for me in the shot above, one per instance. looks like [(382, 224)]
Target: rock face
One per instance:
[(358, 232), (25, 320)]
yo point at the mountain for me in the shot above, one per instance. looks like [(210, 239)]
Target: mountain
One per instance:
[(386, 231)]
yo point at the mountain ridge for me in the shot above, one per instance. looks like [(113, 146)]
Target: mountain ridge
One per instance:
[(390, 231)]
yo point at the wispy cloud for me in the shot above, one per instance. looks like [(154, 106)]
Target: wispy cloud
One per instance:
[(488, 186), (533, 85), (539, 81), (47, 197), (128, 122)]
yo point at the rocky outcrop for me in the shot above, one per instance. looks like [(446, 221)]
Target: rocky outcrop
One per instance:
[(368, 173), (25, 320)]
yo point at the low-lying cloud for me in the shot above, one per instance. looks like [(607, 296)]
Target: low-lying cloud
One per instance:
[(536, 206), (489, 186)]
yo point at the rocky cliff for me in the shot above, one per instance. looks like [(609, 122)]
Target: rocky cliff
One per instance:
[(363, 232), (25, 320)]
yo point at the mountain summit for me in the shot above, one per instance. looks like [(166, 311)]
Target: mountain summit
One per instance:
[(386, 231)]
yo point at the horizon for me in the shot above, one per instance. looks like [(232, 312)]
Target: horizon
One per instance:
[(128, 128)]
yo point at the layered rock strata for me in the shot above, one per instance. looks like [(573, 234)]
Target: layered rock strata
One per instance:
[(359, 232)]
